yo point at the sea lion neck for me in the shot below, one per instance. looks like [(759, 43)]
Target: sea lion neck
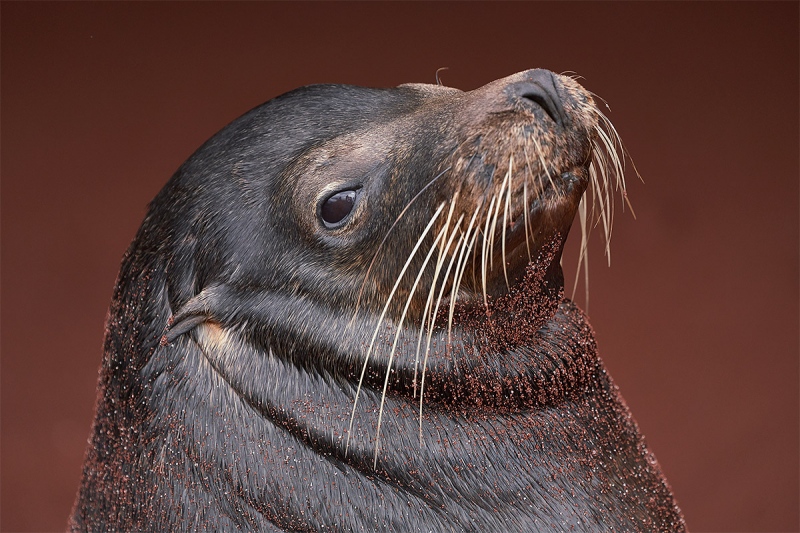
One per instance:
[(499, 357), (504, 355)]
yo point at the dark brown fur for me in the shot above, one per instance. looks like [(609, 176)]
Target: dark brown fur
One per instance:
[(267, 371)]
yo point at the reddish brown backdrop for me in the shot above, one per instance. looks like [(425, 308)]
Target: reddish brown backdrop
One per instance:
[(697, 318)]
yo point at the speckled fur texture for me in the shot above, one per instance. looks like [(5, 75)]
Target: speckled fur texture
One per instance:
[(415, 367)]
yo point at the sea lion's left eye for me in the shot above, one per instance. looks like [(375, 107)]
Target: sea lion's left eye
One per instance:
[(335, 208)]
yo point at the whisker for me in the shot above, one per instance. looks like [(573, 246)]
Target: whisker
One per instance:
[(385, 238), (606, 173), (506, 209), (433, 318), (612, 132), (495, 216), (397, 338), (381, 317), (600, 192), (540, 155), (459, 271), (525, 220), (538, 176), (439, 262), (429, 302), (583, 257), (485, 251), (492, 226)]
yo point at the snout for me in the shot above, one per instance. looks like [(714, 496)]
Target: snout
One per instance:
[(538, 90)]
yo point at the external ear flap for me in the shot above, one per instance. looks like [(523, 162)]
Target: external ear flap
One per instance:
[(179, 327), (194, 312)]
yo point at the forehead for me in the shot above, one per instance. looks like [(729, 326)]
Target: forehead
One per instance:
[(277, 132), (324, 111)]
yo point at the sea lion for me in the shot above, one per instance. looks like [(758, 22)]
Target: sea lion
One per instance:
[(346, 312)]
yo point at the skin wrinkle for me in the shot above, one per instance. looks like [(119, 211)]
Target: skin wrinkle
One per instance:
[(242, 330)]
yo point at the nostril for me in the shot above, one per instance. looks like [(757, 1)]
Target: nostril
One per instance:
[(540, 89), (541, 99)]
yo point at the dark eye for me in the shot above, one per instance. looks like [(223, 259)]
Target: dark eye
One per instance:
[(336, 208)]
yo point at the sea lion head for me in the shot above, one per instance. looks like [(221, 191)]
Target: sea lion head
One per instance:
[(354, 200)]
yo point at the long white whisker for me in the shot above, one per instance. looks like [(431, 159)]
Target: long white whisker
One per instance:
[(396, 339), (583, 257), (606, 173), (485, 251), (540, 155), (506, 209), (538, 177), (385, 237), (382, 315), (433, 318), (429, 302), (493, 228), (458, 272), (439, 263), (525, 221)]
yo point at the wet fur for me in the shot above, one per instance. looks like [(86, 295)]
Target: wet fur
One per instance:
[(258, 375)]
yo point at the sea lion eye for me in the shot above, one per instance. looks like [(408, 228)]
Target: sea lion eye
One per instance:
[(335, 208)]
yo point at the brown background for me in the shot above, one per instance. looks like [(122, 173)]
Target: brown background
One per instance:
[(697, 318)]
